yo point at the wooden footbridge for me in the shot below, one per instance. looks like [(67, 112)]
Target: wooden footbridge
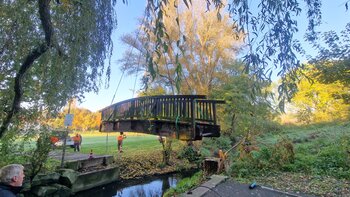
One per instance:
[(185, 117)]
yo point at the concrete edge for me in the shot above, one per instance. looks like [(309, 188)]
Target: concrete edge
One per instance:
[(202, 189)]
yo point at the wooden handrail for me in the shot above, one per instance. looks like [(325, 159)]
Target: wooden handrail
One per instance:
[(188, 108)]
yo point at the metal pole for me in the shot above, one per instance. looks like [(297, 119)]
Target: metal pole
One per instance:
[(107, 142), (65, 139)]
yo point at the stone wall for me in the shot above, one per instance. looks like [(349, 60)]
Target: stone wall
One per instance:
[(65, 182)]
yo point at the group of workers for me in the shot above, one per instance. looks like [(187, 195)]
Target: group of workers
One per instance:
[(78, 139)]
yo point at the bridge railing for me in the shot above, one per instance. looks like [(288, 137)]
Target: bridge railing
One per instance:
[(186, 108)]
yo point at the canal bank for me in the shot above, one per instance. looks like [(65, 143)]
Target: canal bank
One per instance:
[(104, 174), (149, 186), (81, 172)]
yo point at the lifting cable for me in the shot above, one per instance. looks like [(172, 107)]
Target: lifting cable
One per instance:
[(121, 77), (138, 66)]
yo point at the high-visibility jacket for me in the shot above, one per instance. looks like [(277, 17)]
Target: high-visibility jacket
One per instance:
[(120, 138), (76, 139)]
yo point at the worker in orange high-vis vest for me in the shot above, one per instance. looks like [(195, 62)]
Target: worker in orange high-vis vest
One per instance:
[(77, 141), (120, 142)]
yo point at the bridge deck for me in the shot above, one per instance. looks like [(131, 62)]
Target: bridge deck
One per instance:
[(186, 117)]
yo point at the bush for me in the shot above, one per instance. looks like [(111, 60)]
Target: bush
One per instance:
[(223, 143), (250, 161), (11, 151), (323, 158), (334, 160), (267, 126), (185, 185), (40, 155), (16, 148), (322, 149), (189, 153)]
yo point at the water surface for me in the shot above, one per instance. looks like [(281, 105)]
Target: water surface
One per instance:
[(143, 187)]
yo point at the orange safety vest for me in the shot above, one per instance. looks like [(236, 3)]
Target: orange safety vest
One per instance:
[(76, 139), (120, 138)]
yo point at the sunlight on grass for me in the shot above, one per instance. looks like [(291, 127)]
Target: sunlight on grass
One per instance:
[(133, 144)]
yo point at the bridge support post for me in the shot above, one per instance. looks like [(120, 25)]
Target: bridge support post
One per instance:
[(193, 113)]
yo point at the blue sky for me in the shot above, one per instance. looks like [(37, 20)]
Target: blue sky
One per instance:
[(127, 16), (334, 18)]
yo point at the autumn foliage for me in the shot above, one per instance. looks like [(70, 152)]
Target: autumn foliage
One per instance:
[(84, 119)]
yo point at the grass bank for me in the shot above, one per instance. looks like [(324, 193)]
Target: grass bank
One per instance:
[(142, 154), (312, 159)]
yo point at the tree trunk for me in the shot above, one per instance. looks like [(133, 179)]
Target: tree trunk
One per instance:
[(45, 17), (27, 64), (166, 144)]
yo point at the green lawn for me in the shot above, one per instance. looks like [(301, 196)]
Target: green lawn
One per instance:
[(132, 145)]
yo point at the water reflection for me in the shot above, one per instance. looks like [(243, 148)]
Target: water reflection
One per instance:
[(145, 187), (154, 188)]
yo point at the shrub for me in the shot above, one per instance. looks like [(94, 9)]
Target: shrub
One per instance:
[(11, 151), (223, 143), (189, 153), (323, 157), (185, 185), (334, 160), (17, 148), (322, 149), (267, 126), (274, 157)]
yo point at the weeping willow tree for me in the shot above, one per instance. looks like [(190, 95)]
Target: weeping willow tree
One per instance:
[(50, 51), (268, 27)]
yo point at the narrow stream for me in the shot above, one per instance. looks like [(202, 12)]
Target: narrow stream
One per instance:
[(143, 187)]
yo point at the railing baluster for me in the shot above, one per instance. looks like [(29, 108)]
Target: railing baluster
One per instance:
[(214, 113), (184, 107), (193, 108), (210, 118)]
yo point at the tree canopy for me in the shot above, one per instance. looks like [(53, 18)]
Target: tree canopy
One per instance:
[(269, 28), (51, 51), (333, 60), (194, 51), (83, 120), (317, 101)]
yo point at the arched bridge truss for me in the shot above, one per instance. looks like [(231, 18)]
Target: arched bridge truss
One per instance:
[(185, 117)]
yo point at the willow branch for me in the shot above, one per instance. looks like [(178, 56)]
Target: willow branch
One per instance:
[(45, 17)]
